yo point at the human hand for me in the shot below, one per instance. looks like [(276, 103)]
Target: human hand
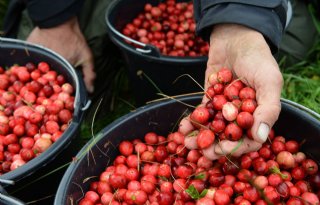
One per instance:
[(68, 41), (248, 55)]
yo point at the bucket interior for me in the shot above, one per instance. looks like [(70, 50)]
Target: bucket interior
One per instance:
[(121, 14), (162, 119)]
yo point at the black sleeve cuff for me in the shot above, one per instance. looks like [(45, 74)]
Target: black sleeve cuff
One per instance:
[(48, 13), (268, 18)]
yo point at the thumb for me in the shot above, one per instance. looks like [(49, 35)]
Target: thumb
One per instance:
[(89, 75), (268, 109), (88, 71)]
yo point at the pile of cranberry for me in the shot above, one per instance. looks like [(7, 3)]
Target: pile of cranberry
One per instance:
[(36, 105), (160, 170), (170, 27)]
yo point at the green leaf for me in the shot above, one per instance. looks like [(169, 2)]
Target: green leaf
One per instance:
[(237, 147), (193, 192), (203, 193), (200, 176), (193, 133), (276, 170)]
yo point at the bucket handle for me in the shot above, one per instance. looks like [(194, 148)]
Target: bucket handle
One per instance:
[(146, 48), (10, 200), (4, 197), (84, 102)]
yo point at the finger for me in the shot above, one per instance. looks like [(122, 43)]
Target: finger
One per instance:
[(205, 99), (268, 109), (89, 75), (191, 142), (210, 152), (210, 76), (87, 69), (185, 126), (236, 148)]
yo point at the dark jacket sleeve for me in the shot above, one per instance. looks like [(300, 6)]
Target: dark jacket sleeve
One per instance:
[(50, 13), (266, 16)]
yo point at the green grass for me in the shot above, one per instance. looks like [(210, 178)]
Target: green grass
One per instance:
[(302, 85), (302, 80), (121, 103)]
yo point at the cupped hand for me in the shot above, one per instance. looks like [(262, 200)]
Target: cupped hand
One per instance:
[(68, 41), (246, 52)]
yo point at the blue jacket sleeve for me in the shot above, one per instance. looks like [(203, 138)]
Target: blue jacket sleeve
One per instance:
[(266, 16), (49, 13)]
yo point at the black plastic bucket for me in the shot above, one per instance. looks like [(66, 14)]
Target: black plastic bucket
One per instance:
[(295, 122), (162, 70), (61, 152)]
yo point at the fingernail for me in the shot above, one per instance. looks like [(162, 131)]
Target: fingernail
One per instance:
[(263, 131)]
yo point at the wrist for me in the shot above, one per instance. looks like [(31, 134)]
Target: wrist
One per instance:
[(62, 31), (233, 33), (68, 24)]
